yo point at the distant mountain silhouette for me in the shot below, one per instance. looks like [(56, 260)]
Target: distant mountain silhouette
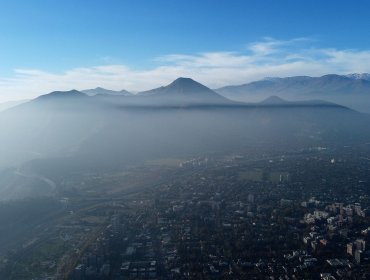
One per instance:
[(103, 91), (299, 85), (7, 105), (274, 100), (359, 76), (184, 91), (181, 92), (81, 132), (349, 91), (61, 95)]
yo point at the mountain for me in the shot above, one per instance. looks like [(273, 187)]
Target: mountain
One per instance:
[(181, 92), (335, 88), (62, 133), (274, 100), (299, 85), (358, 76), (60, 95), (184, 91), (103, 91), (7, 105)]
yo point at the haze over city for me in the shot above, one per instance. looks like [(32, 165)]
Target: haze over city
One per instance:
[(182, 140)]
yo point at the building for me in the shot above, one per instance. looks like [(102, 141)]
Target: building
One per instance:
[(350, 249)]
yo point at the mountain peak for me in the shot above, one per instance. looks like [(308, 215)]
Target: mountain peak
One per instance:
[(187, 85), (273, 100), (184, 91), (62, 94), (183, 79), (103, 91)]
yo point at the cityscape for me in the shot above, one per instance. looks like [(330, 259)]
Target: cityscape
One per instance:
[(240, 216), (184, 140)]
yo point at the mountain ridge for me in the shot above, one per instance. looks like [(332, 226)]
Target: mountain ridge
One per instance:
[(181, 92), (95, 131), (351, 92), (61, 95), (104, 91), (186, 91)]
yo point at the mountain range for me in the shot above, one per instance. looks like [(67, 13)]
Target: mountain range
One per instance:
[(103, 91), (359, 76), (352, 90), (62, 133), (182, 92)]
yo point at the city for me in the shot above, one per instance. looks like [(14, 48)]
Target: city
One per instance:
[(279, 216)]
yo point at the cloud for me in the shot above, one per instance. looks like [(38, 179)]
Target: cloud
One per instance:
[(271, 46), (269, 57)]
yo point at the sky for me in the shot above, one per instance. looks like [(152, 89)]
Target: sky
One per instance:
[(48, 45)]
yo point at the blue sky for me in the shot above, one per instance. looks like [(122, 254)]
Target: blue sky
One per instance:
[(57, 45)]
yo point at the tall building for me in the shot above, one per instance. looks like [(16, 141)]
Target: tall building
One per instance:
[(358, 256), (360, 244), (350, 249), (116, 224)]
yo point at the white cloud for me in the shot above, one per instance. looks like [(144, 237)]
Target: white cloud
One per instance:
[(215, 69)]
